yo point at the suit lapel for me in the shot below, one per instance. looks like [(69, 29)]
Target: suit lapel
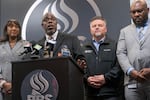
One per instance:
[(42, 41), (15, 49), (134, 33), (59, 41), (17, 46), (146, 35), (7, 48)]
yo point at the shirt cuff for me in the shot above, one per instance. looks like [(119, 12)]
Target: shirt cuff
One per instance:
[(129, 70)]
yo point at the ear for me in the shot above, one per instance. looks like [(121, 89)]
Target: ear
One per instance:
[(43, 25), (106, 29)]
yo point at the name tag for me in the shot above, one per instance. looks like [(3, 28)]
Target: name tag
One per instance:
[(132, 86), (88, 51), (106, 50)]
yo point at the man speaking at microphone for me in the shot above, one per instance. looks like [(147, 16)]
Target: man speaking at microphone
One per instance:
[(56, 44)]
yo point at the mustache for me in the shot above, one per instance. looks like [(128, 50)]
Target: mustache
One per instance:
[(98, 34)]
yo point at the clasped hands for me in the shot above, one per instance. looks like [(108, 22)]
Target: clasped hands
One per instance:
[(96, 81), (142, 75)]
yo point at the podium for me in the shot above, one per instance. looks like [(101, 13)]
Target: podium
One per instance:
[(47, 79)]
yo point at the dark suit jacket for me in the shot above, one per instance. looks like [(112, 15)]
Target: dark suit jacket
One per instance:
[(71, 41)]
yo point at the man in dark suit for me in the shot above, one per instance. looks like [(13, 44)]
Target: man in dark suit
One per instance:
[(55, 43)]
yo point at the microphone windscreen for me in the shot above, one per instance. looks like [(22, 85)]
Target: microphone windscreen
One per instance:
[(37, 47)]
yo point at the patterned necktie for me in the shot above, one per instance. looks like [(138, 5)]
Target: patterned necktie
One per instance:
[(141, 34)]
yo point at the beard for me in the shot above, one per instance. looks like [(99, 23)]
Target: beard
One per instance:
[(140, 22), (50, 32), (98, 34)]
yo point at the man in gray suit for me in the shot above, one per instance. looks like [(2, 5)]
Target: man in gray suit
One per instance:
[(133, 53)]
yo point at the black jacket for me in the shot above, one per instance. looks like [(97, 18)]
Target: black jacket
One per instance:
[(102, 62)]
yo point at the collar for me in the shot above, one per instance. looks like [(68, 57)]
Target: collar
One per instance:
[(145, 25), (144, 28), (53, 37), (100, 41)]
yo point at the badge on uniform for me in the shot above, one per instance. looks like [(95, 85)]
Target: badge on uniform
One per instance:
[(88, 51), (107, 50)]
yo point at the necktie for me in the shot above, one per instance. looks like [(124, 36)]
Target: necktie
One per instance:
[(141, 34)]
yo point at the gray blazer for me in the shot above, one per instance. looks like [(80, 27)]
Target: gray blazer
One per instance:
[(130, 52), (7, 55)]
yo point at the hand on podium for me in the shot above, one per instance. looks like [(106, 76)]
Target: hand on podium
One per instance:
[(82, 63)]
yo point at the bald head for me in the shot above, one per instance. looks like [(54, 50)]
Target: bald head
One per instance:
[(142, 2), (139, 12), (49, 23)]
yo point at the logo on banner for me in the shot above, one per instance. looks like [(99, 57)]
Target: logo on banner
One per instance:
[(71, 16), (39, 85)]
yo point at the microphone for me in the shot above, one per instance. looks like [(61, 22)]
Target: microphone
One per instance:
[(36, 48), (49, 48), (27, 48)]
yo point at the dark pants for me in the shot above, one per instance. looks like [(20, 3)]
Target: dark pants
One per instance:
[(101, 98)]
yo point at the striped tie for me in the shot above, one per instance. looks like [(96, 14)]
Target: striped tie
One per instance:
[(141, 34)]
